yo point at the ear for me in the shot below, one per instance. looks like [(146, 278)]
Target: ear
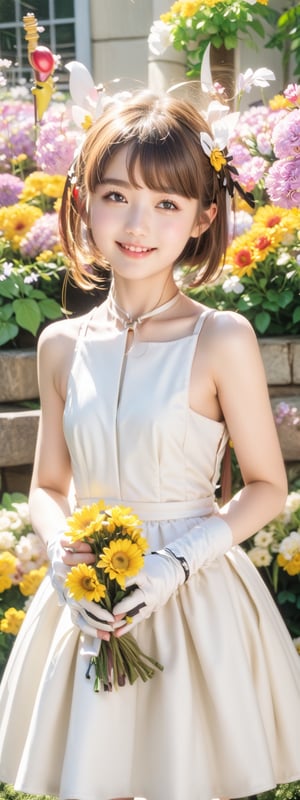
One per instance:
[(205, 221)]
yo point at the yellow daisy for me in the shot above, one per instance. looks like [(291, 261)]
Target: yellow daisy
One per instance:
[(82, 582), (82, 523), (121, 560), (16, 221)]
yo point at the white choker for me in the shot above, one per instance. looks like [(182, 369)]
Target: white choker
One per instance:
[(130, 323)]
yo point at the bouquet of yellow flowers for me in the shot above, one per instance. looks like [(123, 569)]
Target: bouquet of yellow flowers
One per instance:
[(114, 535)]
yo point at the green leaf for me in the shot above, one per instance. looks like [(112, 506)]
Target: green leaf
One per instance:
[(6, 312), (258, 28), (28, 314), (8, 288), (296, 314), (286, 597), (284, 298), (8, 331), (262, 321), (50, 308)]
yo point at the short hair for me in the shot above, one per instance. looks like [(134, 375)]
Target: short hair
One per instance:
[(162, 134)]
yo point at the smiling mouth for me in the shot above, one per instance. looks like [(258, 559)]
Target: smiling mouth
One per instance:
[(133, 248)]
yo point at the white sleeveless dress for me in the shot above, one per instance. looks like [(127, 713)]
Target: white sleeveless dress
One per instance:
[(223, 716)]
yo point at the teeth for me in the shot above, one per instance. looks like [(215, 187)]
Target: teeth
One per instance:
[(134, 249)]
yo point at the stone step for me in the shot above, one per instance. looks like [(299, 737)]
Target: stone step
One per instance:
[(18, 432), (18, 375)]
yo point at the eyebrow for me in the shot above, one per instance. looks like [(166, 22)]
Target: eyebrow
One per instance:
[(127, 184), (116, 181)]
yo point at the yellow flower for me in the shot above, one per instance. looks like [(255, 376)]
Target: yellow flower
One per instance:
[(241, 255), (217, 159), (87, 122), (12, 621), (121, 559), (18, 159), (292, 565), (279, 101), (82, 582), (16, 221), (123, 517), (8, 564), (270, 216), (31, 581), (38, 183), (82, 522)]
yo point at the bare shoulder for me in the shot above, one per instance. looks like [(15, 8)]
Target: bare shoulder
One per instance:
[(60, 334), (229, 330), (56, 348)]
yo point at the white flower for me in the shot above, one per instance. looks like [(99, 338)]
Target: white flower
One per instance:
[(260, 556), (22, 510), (292, 505), (260, 77), (31, 552), (159, 37), (7, 540), (15, 523), (232, 284), (290, 545), (263, 538), (4, 520)]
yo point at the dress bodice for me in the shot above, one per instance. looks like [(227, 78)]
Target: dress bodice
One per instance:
[(130, 431)]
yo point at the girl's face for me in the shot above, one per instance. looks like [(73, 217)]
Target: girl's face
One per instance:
[(139, 231)]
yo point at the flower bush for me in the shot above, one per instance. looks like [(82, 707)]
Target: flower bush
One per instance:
[(261, 276), (275, 550), (22, 568), (34, 161), (192, 26)]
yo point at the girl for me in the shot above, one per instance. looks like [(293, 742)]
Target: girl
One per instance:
[(138, 399)]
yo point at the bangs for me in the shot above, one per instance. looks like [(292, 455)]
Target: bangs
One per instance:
[(163, 166)]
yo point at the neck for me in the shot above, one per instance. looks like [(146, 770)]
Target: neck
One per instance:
[(144, 298), (130, 320)]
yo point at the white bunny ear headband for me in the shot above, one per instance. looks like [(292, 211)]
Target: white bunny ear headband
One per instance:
[(89, 102), (222, 124)]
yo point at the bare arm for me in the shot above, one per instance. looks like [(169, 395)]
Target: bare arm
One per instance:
[(48, 499), (243, 396)]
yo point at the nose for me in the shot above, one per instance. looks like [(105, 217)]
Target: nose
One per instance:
[(137, 222)]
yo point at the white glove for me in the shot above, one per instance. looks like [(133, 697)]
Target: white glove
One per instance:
[(86, 615), (164, 571)]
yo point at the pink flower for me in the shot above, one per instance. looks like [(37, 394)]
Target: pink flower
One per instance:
[(286, 135), (283, 182), (292, 93), (251, 172)]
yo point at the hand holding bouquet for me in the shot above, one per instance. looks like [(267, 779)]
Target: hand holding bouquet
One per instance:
[(114, 536)]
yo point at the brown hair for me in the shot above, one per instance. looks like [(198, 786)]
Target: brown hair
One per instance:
[(162, 133)]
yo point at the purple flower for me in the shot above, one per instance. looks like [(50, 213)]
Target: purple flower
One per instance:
[(43, 235), (55, 148), (283, 182), (286, 135), (239, 154), (251, 172), (16, 132), (10, 189)]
